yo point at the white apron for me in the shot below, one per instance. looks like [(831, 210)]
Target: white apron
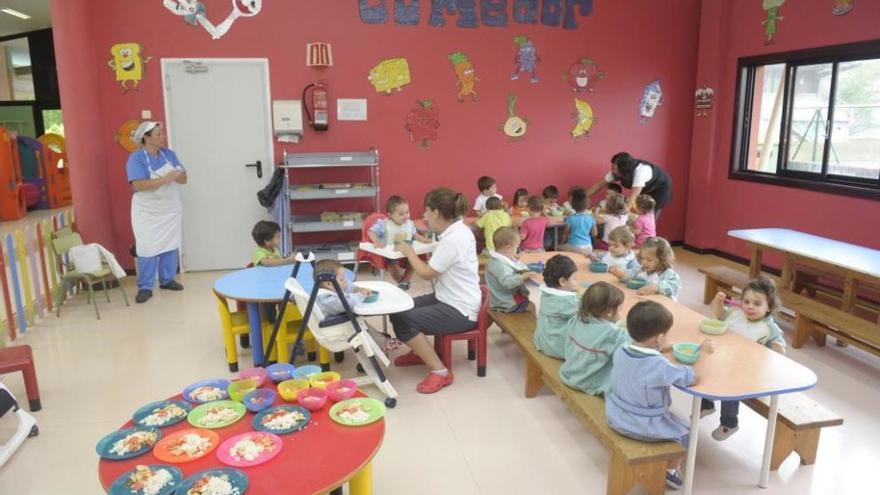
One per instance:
[(156, 215)]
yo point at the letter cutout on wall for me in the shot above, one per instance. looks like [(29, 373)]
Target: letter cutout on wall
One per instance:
[(406, 15), (373, 11), (651, 99), (194, 12), (128, 63), (493, 12), (515, 126), (551, 12), (570, 20), (703, 102), (842, 7), (422, 123), (467, 76), (525, 11), (582, 75), (773, 18), (584, 118), (526, 58), (390, 74), (466, 10)]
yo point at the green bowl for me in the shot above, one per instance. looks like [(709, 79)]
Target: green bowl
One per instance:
[(686, 352), (598, 267), (373, 297), (713, 326), (636, 283)]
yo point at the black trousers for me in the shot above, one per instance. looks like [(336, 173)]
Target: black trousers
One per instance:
[(431, 317)]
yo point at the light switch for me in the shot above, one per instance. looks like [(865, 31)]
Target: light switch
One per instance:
[(146, 115)]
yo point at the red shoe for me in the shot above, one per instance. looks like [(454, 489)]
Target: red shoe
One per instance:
[(434, 382), (408, 359)]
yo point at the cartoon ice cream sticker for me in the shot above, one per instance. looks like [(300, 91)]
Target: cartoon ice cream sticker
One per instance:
[(422, 123), (584, 117), (526, 59), (128, 63), (389, 75), (582, 75), (773, 17), (842, 7), (515, 126), (467, 76), (651, 99)]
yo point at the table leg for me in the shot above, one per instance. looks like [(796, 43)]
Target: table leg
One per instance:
[(755, 265), (256, 332), (362, 482), (787, 269), (692, 447), (768, 441)]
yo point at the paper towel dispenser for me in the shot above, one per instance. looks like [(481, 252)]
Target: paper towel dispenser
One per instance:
[(287, 120)]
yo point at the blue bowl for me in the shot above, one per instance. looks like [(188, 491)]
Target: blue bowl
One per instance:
[(598, 267), (686, 352), (305, 371), (280, 372), (257, 400), (373, 297), (636, 283)]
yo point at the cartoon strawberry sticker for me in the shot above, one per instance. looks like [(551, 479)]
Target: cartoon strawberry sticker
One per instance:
[(422, 123)]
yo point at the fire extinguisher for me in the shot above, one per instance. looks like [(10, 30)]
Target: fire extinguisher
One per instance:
[(321, 120)]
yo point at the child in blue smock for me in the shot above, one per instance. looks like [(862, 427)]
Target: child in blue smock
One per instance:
[(638, 403), (559, 304), (656, 262), (580, 227), (753, 319), (592, 340)]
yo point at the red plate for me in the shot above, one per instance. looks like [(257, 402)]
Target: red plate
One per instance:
[(226, 457), (162, 450)]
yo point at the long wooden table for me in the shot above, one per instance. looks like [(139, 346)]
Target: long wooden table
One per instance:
[(738, 369), (555, 223)]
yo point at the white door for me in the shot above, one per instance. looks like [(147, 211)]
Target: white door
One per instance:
[(218, 120)]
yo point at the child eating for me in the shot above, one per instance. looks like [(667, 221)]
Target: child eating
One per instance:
[(567, 209), (656, 261), (328, 300), (579, 227), (494, 218), (753, 319), (637, 405), (267, 235), (396, 227), (644, 225), (532, 229), (488, 189), (559, 304), (619, 254), (506, 275), (593, 338), (551, 196), (616, 215), (520, 206)]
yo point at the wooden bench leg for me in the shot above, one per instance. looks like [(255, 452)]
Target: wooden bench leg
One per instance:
[(803, 329), (710, 289), (534, 381), (806, 443), (623, 477), (819, 335)]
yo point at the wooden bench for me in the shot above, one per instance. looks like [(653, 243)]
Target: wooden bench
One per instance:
[(819, 320), (631, 461), (798, 423)]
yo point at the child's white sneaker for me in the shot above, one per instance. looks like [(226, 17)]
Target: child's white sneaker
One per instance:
[(722, 433)]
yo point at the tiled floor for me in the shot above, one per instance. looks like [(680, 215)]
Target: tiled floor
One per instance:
[(478, 437)]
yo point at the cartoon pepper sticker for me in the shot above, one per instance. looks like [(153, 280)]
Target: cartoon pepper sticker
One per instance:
[(584, 117), (582, 75), (773, 17), (515, 126), (422, 123), (467, 76), (526, 59), (128, 63)]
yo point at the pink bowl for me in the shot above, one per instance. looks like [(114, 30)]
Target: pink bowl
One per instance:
[(311, 398), (259, 374), (341, 390)]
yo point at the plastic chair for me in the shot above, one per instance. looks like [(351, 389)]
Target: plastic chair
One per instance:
[(63, 241), (291, 323), (231, 324), (376, 261), (20, 358), (477, 338)]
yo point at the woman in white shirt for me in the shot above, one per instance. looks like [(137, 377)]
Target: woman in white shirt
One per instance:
[(454, 305), (640, 177)]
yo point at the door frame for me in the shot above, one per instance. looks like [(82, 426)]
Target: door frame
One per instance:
[(264, 65)]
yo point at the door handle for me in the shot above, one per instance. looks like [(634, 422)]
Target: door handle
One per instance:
[(259, 166)]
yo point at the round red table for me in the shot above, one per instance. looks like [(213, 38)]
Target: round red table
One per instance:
[(321, 457)]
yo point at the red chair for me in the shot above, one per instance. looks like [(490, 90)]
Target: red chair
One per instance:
[(477, 338), (20, 358), (376, 261)]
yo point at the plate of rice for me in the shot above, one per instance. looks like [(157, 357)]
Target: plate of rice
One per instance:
[(128, 443), (282, 420), (218, 481), (218, 414), (186, 445), (207, 391), (161, 414), (249, 449), (153, 479)]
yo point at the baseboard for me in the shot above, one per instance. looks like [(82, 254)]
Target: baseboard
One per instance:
[(721, 254)]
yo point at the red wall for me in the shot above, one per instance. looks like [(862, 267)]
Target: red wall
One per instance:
[(633, 43), (730, 30)]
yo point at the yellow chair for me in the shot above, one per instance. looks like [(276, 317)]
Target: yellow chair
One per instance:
[(232, 323), (287, 337)]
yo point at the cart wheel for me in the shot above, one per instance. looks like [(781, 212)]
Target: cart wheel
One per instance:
[(360, 368), (339, 356), (36, 431), (390, 402)]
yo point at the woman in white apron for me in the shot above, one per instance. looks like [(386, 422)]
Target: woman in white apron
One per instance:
[(156, 175)]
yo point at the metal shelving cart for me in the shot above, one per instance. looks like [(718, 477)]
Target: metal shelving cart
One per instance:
[(311, 223)]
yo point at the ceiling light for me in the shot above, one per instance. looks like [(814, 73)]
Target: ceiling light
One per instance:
[(13, 12)]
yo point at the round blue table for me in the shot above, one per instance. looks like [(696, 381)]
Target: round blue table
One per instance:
[(263, 285)]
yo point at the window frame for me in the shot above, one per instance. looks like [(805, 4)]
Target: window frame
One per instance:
[(742, 120)]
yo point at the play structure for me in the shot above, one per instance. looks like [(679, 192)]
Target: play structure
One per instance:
[(33, 173)]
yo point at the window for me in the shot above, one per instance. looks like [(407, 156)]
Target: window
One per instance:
[(810, 119), (17, 83)]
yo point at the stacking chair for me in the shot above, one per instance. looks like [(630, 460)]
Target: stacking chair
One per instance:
[(477, 338), (62, 242)]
